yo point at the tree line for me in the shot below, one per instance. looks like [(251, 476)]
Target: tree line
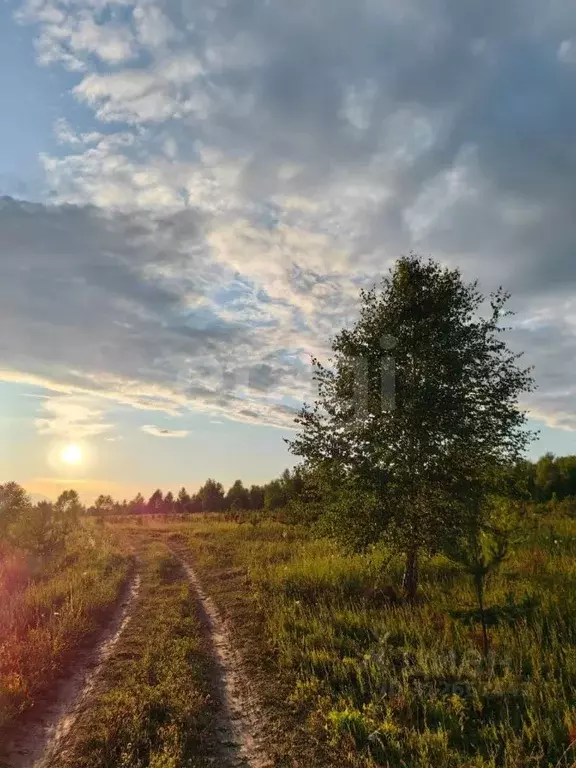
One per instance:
[(551, 478), (210, 497)]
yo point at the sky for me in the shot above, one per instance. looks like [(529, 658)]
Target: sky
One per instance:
[(193, 192)]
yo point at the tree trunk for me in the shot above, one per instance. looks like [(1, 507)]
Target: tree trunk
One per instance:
[(480, 595), (410, 579)]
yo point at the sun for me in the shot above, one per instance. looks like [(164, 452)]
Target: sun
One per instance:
[(72, 454)]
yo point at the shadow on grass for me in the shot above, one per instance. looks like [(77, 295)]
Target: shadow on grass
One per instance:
[(498, 615)]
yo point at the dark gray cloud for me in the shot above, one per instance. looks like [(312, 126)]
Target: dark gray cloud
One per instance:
[(263, 377), (479, 84), (80, 289), (119, 305)]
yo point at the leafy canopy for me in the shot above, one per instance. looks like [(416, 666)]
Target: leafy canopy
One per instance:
[(417, 409)]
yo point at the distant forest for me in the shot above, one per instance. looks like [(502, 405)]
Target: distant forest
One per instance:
[(551, 479)]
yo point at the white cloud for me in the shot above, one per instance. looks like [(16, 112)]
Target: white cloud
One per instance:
[(154, 28), (71, 36), (150, 429), (65, 134), (112, 44), (122, 307), (567, 51), (169, 90), (71, 418)]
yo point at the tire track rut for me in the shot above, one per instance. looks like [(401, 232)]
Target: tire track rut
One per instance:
[(239, 724)]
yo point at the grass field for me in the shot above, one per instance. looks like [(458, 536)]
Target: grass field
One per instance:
[(47, 610), (346, 672), (352, 673)]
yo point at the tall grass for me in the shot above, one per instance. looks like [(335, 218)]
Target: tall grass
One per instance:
[(45, 613), (396, 685)]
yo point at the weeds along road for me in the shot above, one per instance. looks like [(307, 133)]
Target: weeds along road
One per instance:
[(40, 735)]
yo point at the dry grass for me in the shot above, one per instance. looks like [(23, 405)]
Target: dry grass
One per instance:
[(47, 612)]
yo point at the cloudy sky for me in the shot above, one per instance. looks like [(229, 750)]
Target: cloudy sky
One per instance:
[(194, 191)]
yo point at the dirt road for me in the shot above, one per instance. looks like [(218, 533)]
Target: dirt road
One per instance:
[(240, 726)]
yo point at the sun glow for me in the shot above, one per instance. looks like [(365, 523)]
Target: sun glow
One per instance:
[(72, 454)]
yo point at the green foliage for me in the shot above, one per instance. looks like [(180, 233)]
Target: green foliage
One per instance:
[(68, 510), (352, 514), (169, 503), (484, 544), (256, 497), (137, 506), (274, 495), (156, 503), (551, 477), (211, 496), (183, 502), (13, 500), (42, 529), (237, 498), (38, 530), (104, 506)]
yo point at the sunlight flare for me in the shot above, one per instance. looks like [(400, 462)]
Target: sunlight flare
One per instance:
[(72, 455)]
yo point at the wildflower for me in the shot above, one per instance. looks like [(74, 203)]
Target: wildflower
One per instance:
[(457, 704)]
